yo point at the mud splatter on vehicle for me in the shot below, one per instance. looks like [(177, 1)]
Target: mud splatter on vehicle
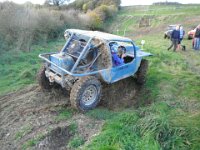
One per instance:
[(88, 59)]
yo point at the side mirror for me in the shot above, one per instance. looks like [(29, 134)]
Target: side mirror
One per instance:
[(66, 37), (142, 42)]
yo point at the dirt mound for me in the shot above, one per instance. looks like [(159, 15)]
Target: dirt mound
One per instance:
[(121, 94), (56, 139), (31, 112)]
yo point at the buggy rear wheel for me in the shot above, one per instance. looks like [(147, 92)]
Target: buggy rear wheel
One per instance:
[(42, 79), (85, 93), (141, 73), (165, 36)]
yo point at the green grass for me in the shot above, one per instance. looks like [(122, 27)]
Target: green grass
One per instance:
[(171, 121), (19, 68), (32, 142), (64, 114), (160, 10), (73, 128), (22, 132), (101, 114), (160, 126), (159, 16), (75, 142)]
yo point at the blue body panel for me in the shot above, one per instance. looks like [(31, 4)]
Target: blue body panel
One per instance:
[(65, 62), (120, 72)]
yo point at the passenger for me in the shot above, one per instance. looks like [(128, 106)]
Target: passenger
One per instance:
[(197, 38), (175, 38), (182, 33), (117, 60)]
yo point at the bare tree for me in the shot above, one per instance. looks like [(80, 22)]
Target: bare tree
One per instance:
[(56, 2)]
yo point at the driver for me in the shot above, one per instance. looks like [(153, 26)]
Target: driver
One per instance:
[(117, 55), (121, 52)]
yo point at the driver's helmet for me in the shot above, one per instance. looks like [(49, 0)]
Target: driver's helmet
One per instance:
[(114, 48)]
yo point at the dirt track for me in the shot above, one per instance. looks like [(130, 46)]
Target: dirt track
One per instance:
[(31, 112), (35, 111)]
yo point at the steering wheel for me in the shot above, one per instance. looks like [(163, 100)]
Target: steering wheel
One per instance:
[(82, 42)]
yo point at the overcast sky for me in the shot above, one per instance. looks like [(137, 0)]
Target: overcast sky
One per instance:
[(124, 2), (149, 2)]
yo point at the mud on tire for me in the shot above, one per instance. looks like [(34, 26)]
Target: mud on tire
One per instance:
[(165, 36), (85, 93), (141, 73), (42, 79)]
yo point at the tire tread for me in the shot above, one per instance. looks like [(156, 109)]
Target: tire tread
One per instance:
[(78, 88)]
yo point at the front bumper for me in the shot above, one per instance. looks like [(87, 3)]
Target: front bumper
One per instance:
[(53, 77)]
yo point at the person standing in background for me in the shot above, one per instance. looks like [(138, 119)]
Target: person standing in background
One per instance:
[(197, 38), (175, 38), (182, 33)]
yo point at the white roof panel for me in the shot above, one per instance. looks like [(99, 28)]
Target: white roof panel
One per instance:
[(103, 35)]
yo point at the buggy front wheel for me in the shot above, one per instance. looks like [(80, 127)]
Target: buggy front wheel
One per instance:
[(85, 93)]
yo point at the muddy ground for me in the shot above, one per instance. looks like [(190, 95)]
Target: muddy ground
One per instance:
[(31, 114)]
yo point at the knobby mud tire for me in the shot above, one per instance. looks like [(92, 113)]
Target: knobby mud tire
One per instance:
[(43, 80), (141, 73), (78, 90)]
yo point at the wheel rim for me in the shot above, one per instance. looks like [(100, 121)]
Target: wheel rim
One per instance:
[(89, 95)]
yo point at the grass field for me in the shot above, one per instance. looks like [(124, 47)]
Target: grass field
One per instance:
[(19, 68), (171, 121), (168, 112)]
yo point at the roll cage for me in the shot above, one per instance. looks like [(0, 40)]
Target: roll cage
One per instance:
[(79, 46)]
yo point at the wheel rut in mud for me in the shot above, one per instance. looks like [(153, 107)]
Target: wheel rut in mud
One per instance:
[(29, 115)]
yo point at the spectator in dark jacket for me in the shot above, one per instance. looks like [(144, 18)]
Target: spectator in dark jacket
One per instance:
[(175, 38), (197, 39), (182, 33)]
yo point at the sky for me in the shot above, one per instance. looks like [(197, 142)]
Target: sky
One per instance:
[(124, 2)]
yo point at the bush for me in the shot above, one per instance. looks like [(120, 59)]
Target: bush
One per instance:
[(106, 11), (95, 20), (91, 4), (23, 25), (98, 16)]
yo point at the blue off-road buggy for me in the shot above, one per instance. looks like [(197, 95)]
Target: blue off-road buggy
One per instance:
[(86, 60)]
